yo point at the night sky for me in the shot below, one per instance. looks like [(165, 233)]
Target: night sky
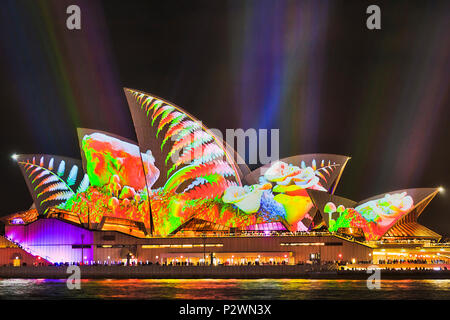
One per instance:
[(310, 68)]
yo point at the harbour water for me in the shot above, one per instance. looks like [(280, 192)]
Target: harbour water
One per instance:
[(220, 289)]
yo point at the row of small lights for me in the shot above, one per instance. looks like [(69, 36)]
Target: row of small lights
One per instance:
[(441, 190), (23, 248)]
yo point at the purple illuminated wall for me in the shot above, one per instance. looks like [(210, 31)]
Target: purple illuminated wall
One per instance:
[(53, 239)]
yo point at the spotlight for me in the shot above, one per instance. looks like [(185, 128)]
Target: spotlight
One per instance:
[(14, 156), (441, 189)]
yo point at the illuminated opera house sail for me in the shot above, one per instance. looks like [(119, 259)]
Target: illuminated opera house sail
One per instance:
[(181, 180)]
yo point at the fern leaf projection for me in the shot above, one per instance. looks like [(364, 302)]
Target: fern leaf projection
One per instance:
[(50, 181), (189, 153), (187, 140), (325, 171), (201, 172)]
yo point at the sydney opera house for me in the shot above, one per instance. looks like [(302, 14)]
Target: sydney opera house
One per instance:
[(178, 196)]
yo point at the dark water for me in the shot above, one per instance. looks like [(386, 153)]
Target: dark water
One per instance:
[(270, 289)]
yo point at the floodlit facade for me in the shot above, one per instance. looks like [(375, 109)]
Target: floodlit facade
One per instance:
[(179, 196)]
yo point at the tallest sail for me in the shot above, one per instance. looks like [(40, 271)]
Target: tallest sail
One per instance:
[(191, 159)]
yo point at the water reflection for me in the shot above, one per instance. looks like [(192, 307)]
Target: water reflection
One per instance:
[(297, 289)]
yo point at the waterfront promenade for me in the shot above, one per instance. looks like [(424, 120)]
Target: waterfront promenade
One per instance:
[(217, 272)]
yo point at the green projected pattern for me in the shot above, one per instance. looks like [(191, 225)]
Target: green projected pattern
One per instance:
[(374, 217), (119, 189)]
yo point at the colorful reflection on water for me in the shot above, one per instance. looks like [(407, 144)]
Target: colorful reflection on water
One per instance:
[(220, 289)]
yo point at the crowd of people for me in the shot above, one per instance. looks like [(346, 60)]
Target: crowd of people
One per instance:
[(411, 261)]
